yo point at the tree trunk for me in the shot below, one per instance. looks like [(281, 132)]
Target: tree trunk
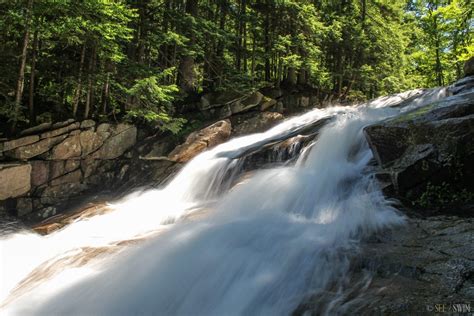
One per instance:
[(31, 105), (106, 93), (21, 73), (220, 46), (266, 28), (90, 92), (244, 34), (292, 77), (77, 95), (186, 72)]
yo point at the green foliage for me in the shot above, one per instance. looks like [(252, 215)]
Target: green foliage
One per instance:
[(101, 58), (436, 196), (154, 103)]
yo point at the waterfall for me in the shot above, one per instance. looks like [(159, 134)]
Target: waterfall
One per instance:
[(203, 245)]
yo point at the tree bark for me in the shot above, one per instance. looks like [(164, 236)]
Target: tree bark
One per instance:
[(266, 28), (21, 73), (90, 92), (186, 72), (31, 105), (106, 93), (77, 95)]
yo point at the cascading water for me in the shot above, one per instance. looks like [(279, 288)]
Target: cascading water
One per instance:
[(209, 247)]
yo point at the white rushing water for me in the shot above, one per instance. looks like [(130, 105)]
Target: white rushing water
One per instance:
[(260, 247)]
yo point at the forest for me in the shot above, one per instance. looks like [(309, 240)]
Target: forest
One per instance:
[(144, 60)]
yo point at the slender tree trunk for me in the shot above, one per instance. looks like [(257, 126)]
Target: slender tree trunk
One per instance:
[(292, 77), (439, 68), (77, 95), (31, 105), (244, 34), (254, 48), (220, 45), (21, 73), (90, 92), (187, 74), (106, 93), (266, 27)]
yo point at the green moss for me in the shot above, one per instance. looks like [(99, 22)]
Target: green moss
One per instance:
[(413, 114)]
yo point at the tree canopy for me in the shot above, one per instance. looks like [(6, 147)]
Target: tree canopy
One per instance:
[(134, 59)]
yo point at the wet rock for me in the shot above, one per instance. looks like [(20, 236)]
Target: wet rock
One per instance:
[(257, 123), (462, 86), (15, 180), (431, 144), (404, 271), (24, 206), (424, 263), (197, 142), (48, 212)]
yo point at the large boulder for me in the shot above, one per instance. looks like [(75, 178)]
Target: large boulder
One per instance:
[(39, 172), (218, 99), (257, 123), (124, 136), (61, 130), (35, 149), (469, 67), (90, 141), (246, 103), (201, 140), (15, 180), (68, 148), (15, 143), (429, 148)]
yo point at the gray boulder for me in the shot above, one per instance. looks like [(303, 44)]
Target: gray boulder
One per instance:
[(426, 148)]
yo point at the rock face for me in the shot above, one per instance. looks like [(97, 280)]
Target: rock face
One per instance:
[(424, 263), (123, 137), (469, 67), (406, 271), (14, 180), (59, 162), (257, 123), (427, 149), (201, 140)]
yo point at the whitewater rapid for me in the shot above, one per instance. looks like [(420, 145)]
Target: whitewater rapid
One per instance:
[(209, 247)]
